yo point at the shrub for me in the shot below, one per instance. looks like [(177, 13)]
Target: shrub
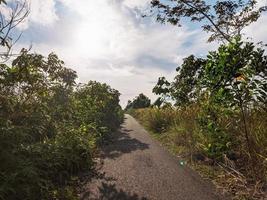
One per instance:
[(156, 120), (216, 140), (50, 128)]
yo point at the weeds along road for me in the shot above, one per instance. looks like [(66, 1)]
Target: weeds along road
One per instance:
[(135, 167)]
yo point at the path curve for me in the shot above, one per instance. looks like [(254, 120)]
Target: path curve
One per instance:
[(136, 167)]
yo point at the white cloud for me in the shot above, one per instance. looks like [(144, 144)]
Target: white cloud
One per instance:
[(5, 10), (262, 3), (43, 12), (257, 31), (136, 3), (105, 40)]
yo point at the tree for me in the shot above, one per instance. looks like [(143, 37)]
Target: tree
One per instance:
[(223, 19), (30, 89), (141, 101), (235, 78), (185, 86), (162, 87), (98, 103), (11, 16), (184, 89)]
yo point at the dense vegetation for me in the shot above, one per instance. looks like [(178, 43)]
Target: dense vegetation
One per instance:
[(219, 117), (50, 126)]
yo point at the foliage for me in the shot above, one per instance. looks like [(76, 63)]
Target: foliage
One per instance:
[(184, 89), (141, 101), (102, 110), (158, 102), (50, 128), (186, 138), (218, 118), (233, 78), (162, 87), (227, 89), (223, 19), (218, 142), (231, 82)]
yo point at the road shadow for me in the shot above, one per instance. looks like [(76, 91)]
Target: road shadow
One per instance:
[(97, 184), (106, 188), (108, 191), (122, 143)]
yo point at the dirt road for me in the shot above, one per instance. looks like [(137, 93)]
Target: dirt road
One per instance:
[(135, 167)]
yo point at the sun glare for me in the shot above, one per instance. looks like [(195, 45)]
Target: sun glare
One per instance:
[(96, 32), (91, 39)]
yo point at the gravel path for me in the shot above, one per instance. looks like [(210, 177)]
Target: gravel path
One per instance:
[(136, 167)]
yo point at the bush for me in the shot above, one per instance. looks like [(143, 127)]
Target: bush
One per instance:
[(50, 128), (216, 140), (156, 120)]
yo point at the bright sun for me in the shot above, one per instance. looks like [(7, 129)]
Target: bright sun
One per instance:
[(91, 39), (98, 31)]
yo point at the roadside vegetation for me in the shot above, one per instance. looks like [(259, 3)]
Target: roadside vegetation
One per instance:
[(50, 126), (218, 120), (213, 114)]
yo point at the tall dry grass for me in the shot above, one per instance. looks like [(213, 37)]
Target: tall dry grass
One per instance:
[(241, 173)]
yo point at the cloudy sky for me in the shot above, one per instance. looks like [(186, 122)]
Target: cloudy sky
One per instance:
[(109, 41)]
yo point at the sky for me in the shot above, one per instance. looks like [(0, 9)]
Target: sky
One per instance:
[(108, 41)]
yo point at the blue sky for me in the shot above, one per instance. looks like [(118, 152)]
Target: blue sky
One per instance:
[(109, 41)]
